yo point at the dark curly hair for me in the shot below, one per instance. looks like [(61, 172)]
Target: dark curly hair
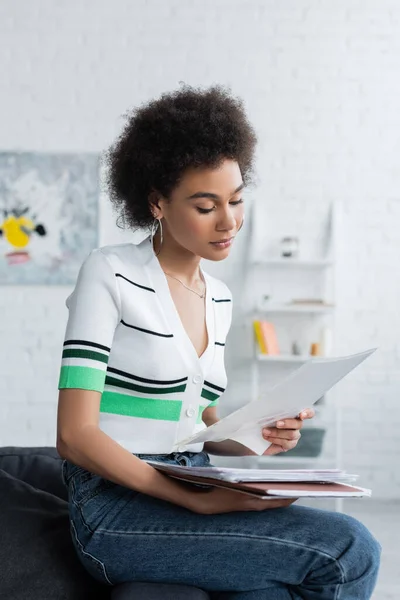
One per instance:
[(186, 128)]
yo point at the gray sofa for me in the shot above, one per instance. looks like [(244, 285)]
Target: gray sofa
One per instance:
[(37, 559)]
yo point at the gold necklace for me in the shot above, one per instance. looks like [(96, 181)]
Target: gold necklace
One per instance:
[(186, 286)]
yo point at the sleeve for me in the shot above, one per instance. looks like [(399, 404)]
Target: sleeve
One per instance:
[(94, 313)]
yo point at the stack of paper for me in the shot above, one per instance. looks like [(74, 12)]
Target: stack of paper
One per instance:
[(266, 484), (292, 475)]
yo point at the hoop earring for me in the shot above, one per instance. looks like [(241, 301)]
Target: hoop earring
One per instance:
[(241, 225), (154, 229)]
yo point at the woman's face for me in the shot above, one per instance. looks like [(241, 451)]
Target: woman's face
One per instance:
[(204, 211)]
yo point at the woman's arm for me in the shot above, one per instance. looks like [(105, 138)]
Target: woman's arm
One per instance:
[(80, 441)]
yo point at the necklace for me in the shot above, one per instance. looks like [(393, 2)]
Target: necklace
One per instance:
[(186, 286)]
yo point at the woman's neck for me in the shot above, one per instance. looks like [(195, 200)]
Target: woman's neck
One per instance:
[(176, 260)]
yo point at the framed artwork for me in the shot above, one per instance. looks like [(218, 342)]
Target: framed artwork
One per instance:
[(49, 206)]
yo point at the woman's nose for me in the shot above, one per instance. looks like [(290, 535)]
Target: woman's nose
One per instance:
[(227, 221)]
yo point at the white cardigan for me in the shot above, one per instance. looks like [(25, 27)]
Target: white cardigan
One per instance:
[(125, 339)]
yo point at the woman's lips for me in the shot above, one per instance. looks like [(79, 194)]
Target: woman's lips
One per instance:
[(224, 244)]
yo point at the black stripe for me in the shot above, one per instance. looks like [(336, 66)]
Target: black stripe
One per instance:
[(215, 387), (128, 385), (164, 335), (222, 299), (143, 380), (219, 344), (84, 343), (133, 283)]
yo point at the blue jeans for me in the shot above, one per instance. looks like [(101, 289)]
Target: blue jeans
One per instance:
[(288, 553)]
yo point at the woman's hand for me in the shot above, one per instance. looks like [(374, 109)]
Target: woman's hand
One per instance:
[(286, 434), (221, 500)]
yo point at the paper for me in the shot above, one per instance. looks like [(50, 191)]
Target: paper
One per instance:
[(300, 390), (279, 475)]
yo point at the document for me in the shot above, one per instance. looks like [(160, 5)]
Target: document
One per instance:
[(300, 390)]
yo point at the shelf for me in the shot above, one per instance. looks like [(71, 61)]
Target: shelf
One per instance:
[(295, 263), (296, 308), (284, 358)]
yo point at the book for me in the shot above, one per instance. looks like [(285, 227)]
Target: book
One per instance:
[(266, 489), (259, 337), (270, 339)]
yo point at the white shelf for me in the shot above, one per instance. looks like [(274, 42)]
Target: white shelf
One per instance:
[(296, 308), (314, 278), (295, 263), (284, 358)]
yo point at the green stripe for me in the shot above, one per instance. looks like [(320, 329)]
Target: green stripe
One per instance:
[(209, 395), (146, 408), (84, 378), (76, 353), (128, 385)]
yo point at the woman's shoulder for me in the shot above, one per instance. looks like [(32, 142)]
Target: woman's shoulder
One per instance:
[(127, 255)]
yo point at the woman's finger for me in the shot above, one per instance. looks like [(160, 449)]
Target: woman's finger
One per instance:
[(285, 444), (309, 413), (284, 434), (290, 424)]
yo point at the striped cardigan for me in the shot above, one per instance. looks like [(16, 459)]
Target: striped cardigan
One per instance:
[(125, 339)]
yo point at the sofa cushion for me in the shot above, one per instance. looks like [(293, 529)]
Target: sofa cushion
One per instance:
[(37, 558), (40, 467)]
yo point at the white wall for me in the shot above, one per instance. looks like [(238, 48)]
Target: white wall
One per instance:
[(320, 80)]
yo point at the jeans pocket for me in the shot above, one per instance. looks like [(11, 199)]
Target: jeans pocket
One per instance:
[(85, 486), (69, 471)]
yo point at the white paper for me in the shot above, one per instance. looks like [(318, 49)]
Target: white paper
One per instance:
[(300, 390), (277, 475)]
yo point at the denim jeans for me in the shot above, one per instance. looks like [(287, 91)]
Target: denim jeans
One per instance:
[(288, 553)]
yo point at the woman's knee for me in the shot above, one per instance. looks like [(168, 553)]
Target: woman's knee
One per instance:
[(364, 547)]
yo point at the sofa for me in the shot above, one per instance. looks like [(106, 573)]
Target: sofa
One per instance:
[(37, 558)]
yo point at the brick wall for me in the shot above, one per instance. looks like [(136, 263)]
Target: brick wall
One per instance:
[(320, 81)]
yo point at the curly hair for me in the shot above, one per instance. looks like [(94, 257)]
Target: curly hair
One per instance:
[(186, 128)]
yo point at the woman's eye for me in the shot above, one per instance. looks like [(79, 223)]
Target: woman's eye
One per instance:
[(205, 211)]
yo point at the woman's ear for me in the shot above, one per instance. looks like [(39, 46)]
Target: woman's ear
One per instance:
[(154, 202)]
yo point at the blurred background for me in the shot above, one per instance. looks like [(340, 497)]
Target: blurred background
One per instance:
[(318, 256)]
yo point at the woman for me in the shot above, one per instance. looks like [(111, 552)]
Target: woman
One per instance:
[(143, 369)]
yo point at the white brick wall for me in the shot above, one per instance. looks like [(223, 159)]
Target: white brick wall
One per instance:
[(320, 80)]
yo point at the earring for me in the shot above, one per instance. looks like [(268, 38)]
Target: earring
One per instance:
[(157, 224), (241, 225)]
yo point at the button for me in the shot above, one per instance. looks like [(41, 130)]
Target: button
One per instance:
[(197, 379), (190, 412)]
